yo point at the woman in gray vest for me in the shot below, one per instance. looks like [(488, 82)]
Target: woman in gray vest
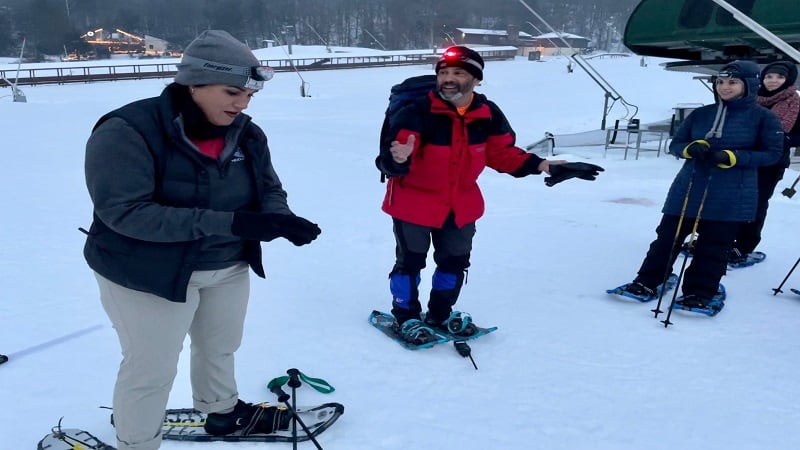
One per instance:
[(184, 191)]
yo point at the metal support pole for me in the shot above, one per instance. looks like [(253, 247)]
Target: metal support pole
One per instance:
[(759, 30)]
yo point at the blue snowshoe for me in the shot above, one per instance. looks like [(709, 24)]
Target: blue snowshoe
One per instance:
[(458, 326), (709, 307), (740, 261), (642, 293), (413, 334)]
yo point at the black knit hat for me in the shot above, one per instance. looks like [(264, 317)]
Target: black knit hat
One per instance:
[(463, 57), (785, 68), (779, 69)]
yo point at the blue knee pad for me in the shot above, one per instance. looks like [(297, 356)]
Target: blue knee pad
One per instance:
[(403, 292), (443, 281)]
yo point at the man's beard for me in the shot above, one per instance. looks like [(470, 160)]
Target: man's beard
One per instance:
[(454, 97)]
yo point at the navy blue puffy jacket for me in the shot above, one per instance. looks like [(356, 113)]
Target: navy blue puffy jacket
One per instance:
[(755, 136)]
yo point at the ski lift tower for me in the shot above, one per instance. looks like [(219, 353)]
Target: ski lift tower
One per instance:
[(16, 93)]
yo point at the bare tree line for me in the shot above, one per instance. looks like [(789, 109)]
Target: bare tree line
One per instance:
[(51, 25)]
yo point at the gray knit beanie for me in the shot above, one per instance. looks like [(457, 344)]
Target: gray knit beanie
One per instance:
[(216, 57)]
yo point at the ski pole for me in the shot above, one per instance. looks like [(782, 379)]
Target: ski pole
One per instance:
[(668, 269), (294, 383), (464, 350), (283, 397), (776, 290), (666, 321), (789, 192)]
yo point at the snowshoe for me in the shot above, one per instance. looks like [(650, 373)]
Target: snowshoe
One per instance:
[(709, 307), (458, 324), (638, 291), (459, 327), (388, 325), (190, 425), (740, 261), (796, 291), (71, 439), (415, 332)]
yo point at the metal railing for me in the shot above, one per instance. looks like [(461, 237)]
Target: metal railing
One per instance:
[(72, 73)]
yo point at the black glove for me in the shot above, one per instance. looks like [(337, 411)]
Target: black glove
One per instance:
[(267, 226), (697, 150), (561, 172), (721, 158)]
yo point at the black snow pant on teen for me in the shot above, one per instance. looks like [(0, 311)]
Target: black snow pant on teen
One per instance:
[(713, 242), (749, 235)]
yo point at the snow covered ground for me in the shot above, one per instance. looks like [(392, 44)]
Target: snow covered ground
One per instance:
[(570, 366)]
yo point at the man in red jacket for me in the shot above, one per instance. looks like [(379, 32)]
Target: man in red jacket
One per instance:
[(435, 149)]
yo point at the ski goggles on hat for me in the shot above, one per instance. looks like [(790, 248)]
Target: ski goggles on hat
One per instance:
[(256, 75), (733, 72), (262, 73), (451, 56), (729, 73)]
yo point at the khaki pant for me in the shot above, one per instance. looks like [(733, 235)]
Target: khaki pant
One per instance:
[(151, 332)]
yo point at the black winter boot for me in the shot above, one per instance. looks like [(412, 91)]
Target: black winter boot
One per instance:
[(250, 418)]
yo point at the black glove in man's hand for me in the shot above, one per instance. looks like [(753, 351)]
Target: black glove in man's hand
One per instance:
[(561, 172), (267, 226)]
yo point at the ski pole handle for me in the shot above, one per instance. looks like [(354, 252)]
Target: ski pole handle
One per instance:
[(294, 378), (282, 395)]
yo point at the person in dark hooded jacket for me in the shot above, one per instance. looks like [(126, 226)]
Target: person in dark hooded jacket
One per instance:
[(778, 92), (716, 189)]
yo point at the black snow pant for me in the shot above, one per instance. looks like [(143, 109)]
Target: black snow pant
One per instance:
[(749, 235), (713, 243), (452, 246)]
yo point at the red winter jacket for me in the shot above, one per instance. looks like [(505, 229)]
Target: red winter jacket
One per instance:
[(450, 153)]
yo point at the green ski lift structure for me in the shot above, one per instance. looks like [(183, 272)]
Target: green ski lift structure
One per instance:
[(706, 34)]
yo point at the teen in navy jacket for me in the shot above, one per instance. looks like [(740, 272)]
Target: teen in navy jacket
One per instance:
[(717, 187)]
